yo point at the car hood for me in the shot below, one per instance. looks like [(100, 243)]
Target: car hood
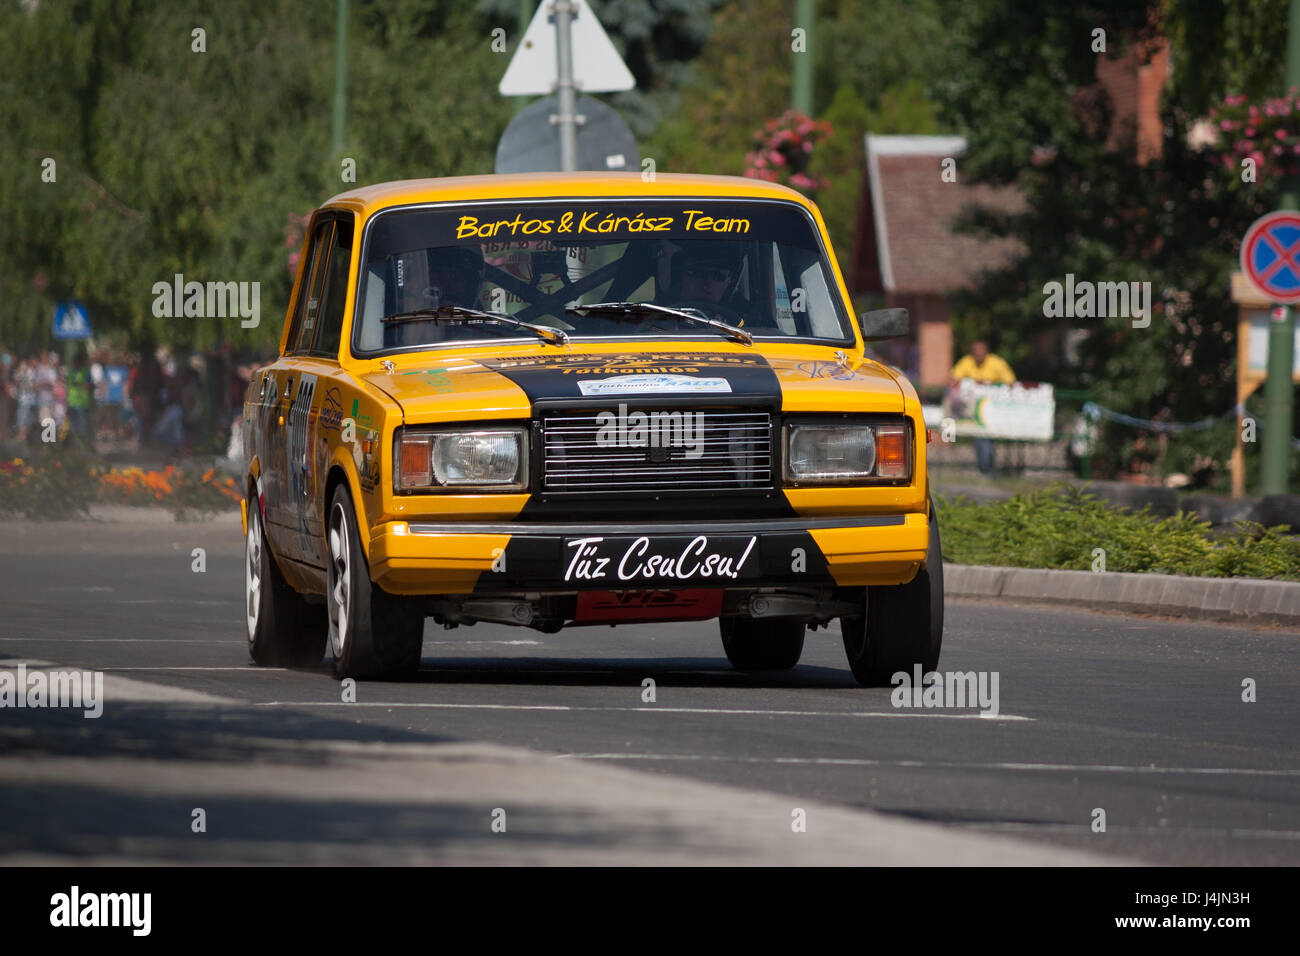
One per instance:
[(795, 379)]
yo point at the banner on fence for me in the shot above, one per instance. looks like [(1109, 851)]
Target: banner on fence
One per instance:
[(1024, 411)]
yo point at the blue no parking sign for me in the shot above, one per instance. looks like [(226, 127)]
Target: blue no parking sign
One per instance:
[(1270, 256)]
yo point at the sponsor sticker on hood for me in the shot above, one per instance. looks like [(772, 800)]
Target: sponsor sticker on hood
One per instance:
[(648, 384), (746, 377)]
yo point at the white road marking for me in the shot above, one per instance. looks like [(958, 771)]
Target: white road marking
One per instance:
[(222, 603), (125, 690), (508, 643), (942, 765), (1083, 828), (156, 640), (647, 710), (250, 669), (111, 640)]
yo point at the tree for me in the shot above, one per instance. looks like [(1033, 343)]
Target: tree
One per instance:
[(1023, 89), (184, 153), (875, 66)]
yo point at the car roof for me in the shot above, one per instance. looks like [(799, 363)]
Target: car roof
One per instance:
[(367, 200)]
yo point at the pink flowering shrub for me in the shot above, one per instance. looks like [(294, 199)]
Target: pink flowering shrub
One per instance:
[(295, 227), (1267, 132), (783, 151)]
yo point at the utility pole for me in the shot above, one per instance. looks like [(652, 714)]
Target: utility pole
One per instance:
[(564, 12), (525, 18), (1275, 466), (340, 76), (801, 87)]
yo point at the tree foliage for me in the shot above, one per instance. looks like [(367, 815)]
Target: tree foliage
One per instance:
[(176, 161), (1225, 48), (1024, 90), (876, 65)]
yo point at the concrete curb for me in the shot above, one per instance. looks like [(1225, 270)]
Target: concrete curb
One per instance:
[(1220, 599)]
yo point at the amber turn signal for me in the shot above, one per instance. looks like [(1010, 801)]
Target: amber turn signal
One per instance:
[(891, 451), (415, 470)]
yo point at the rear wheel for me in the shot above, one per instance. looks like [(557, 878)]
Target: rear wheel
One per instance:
[(762, 645), (902, 625), (372, 634), (283, 629)]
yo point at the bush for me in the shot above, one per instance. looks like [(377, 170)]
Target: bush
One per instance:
[(60, 481), (1062, 526), (51, 482)]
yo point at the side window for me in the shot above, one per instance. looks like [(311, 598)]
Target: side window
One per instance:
[(784, 306), (308, 304), (330, 320)]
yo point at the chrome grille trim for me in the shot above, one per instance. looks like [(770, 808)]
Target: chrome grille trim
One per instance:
[(736, 455)]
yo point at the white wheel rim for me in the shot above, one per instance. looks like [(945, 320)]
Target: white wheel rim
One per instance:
[(253, 574), (340, 579)]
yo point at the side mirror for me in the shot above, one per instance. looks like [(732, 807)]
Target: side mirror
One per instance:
[(883, 324)]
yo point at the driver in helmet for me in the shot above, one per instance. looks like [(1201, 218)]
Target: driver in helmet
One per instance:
[(707, 271), (455, 275)]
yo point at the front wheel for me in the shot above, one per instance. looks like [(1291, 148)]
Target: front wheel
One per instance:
[(903, 623), (763, 645), (372, 634), (283, 629)]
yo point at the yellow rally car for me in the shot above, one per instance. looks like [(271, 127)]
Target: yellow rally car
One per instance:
[(556, 400)]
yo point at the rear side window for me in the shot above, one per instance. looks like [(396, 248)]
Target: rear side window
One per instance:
[(313, 277), (330, 317)]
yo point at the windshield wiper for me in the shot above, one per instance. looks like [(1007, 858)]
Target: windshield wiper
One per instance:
[(451, 312), (691, 314)]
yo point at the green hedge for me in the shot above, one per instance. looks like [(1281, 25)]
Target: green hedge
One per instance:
[(1061, 526)]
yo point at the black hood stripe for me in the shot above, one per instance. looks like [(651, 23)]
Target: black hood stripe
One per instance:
[(726, 378)]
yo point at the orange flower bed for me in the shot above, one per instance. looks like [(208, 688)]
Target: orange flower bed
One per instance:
[(42, 487), (135, 483)]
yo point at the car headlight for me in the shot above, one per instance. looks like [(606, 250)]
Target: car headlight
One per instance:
[(494, 459), (845, 452)]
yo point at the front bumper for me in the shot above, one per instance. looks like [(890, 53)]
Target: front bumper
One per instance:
[(463, 558)]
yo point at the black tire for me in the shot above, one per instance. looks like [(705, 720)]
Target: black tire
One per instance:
[(903, 624), (378, 636), (283, 629), (763, 645)]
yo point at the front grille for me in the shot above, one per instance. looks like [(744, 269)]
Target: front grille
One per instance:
[(736, 455)]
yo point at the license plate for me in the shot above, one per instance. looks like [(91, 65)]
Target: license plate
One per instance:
[(627, 561), (693, 604)]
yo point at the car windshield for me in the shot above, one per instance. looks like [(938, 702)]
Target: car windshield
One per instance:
[(753, 265)]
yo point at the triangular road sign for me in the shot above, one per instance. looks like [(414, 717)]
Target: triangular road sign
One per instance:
[(597, 67)]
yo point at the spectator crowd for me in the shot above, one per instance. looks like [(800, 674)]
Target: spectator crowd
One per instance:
[(111, 398)]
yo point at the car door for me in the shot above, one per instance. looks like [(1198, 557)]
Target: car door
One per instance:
[(289, 392), (319, 388)]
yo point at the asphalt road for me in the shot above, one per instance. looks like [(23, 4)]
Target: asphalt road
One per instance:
[(1141, 718)]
